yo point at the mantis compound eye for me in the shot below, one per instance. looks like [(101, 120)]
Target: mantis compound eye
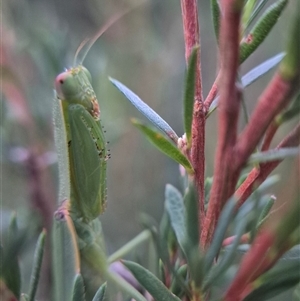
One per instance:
[(66, 85)]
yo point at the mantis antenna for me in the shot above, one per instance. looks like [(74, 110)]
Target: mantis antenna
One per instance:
[(91, 41)]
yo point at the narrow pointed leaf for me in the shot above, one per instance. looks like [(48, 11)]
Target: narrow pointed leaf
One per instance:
[(261, 29), (191, 219), (265, 212), (164, 145), (215, 9), (289, 67), (66, 264), (261, 69), (60, 138), (273, 155), (176, 210), (36, 269), (100, 294), (255, 13), (78, 289), (189, 95), (150, 282), (167, 241), (247, 12), (161, 271), (12, 243), (149, 113), (224, 220)]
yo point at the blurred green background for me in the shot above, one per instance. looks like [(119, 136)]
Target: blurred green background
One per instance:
[(145, 51)]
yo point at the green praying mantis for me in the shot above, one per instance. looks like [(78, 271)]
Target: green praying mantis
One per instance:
[(83, 136)]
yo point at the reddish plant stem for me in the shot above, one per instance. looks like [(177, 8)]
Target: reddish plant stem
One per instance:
[(261, 257), (251, 262), (224, 178), (271, 102), (229, 240), (258, 175), (191, 33), (192, 38)]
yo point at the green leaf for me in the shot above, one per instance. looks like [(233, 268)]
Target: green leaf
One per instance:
[(288, 226), (193, 253), (185, 225), (261, 29), (150, 282), (191, 218), (276, 281), (60, 138), (207, 187), (149, 113), (166, 239), (161, 271), (290, 66), (78, 289), (100, 294), (215, 10), (13, 241), (66, 262), (265, 212), (255, 13), (37, 264), (273, 155), (224, 220), (189, 95), (247, 12), (176, 210), (164, 145)]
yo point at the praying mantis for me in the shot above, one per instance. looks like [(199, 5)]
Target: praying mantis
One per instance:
[(86, 145)]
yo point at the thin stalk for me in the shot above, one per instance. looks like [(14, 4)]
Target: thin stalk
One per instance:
[(131, 245), (192, 38), (224, 177)]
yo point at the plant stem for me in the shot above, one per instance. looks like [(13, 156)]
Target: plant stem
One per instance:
[(224, 177), (139, 239), (192, 38)]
